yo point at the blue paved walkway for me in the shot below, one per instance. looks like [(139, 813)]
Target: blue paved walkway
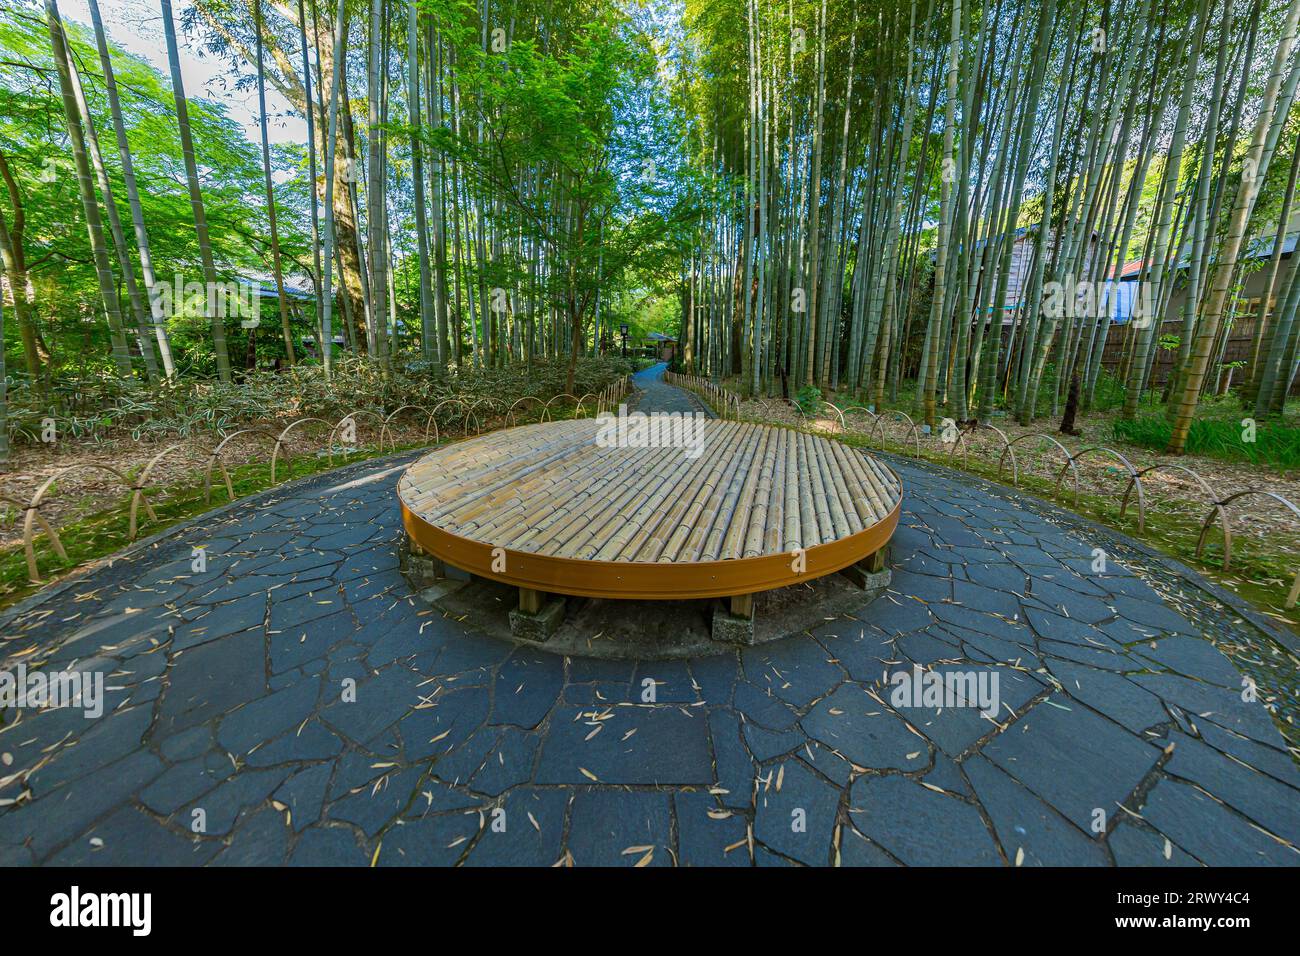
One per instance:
[(658, 396), (295, 703)]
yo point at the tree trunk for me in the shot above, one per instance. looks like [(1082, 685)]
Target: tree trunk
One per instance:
[(196, 197), (270, 190), (430, 344), (132, 194), (947, 175), (1253, 175), (86, 189)]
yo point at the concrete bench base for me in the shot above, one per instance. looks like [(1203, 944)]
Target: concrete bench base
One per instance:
[(537, 626), (733, 621)]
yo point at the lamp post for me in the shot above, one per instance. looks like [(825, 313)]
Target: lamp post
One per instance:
[(622, 330)]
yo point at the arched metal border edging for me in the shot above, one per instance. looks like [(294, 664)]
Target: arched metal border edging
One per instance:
[(140, 484), (1015, 473), (386, 432), (1134, 478), (895, 416), (215, 456), (807, 421), (1210, 494), (510, 412), (843, 428), (352, 417), (803, 416), (546, 409), (34, 515), (872, 416), (19, 507), (455, 401), (1294, 594), (962, 441), (280, 442), (860, 408), (582, 401), (473, 410)]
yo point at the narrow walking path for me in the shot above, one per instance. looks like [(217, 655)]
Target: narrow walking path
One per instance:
[(656, 395), (292, 701)]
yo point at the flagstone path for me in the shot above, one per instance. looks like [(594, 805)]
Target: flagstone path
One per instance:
[(295, 703)]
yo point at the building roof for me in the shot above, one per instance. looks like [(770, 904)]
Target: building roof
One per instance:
[(265, 287), (1261, 247)]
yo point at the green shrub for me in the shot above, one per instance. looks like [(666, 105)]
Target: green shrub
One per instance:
[(809, 399), (101, 407)]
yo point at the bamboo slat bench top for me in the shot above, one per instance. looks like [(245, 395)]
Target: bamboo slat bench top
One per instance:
[(551, 507)]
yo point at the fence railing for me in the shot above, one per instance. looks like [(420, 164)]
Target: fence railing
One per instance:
[(341, 439), (945, 444), (723, 401)]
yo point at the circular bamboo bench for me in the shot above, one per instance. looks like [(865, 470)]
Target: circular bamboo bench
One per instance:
[(553, 508)]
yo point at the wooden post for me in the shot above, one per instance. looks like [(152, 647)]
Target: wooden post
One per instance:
[(866, 573), (420, 567), (530, 601), (742, 605)]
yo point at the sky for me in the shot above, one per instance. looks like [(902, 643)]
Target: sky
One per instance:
[(136, 26)]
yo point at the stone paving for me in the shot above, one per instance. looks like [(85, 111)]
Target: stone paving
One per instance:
[(293, 702), (656, 395)]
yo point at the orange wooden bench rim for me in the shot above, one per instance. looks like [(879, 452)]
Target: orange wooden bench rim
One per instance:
[(646, 580)]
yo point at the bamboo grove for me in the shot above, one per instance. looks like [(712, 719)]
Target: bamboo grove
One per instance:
[(919, 203), (893, 195), (463, 194)]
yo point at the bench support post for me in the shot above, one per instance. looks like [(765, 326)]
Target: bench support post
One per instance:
[(420, 567), (530, 601), (538, 617), (734, 622), (871, 573)]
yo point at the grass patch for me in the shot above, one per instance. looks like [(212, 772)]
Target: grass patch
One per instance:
[(1275, 445)]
